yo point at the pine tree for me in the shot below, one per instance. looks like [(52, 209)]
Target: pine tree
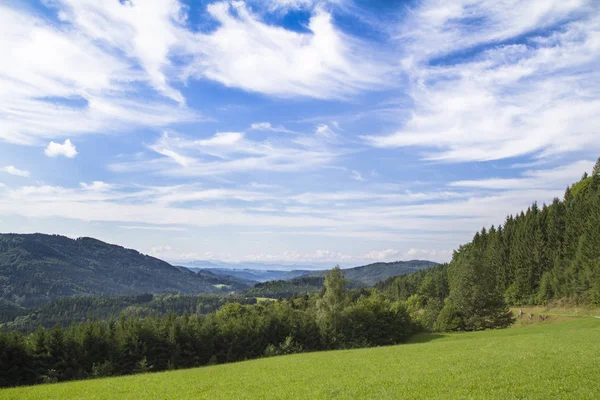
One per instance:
[(596, 170)]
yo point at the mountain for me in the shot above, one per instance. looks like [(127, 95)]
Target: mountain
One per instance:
[(37, 268), (372, 273), (365, 274), (252, 275), (311, 282)]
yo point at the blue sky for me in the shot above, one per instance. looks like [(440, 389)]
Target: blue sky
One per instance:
[(292, 131)]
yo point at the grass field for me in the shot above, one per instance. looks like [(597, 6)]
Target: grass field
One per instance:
[(559, 359)]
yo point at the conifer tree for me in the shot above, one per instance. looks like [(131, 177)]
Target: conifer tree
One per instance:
[(596, 170)]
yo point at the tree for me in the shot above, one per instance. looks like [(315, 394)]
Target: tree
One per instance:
[(331, 304), (596, 171), (474, 294)]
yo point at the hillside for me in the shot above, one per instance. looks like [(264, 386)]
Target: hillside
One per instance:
[(311, 282), (372, 273), (549, 360), (37, 268), (250, 275)]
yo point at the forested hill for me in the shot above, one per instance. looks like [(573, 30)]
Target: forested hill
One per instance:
[(372, 273), (542, 254), (311, 282), (37, 268)]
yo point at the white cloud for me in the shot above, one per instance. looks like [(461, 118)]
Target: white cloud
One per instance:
[(233, 152), (67, 149), (11, 169), (559, 177), (432, 255), (334, 213), (267, 126), (161, 250), (247, 53), (97, 186), (318, 256), (381, 255), (152, 228), (148, 30), (91, 71), (286, 5), (535, 98), (357, 176), (261, 126), (77, 77), (437, 27)]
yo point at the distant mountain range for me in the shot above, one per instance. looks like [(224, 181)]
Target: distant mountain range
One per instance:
[(372, 273), (366, 274), (252, 275), (37, 268)]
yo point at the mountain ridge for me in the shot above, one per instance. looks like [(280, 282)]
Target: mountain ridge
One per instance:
[(36, 268)]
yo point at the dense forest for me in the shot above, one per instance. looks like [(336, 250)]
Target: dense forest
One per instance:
[(548, 253), (68, 310)]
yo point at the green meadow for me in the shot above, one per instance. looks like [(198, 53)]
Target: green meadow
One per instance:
[(556, 359)]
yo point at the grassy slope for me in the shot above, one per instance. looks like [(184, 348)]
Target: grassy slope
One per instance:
[(542, 361)]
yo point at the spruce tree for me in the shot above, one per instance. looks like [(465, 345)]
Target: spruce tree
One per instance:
[(596, 170)]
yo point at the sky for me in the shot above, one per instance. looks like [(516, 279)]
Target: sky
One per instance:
[(292, 131)]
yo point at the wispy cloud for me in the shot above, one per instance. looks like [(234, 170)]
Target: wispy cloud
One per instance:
[(376, 216), (357, 176), (247, 53), (234, 153), (11, 169), (74, 77), (266, 126), (559, 177), (528, 96), (382, 255), (146, 30), (152, 228)]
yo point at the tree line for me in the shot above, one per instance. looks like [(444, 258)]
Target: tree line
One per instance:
[(337, 318), (68, 310)]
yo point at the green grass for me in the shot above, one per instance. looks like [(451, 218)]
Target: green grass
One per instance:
[(549, 360), (221, 286)]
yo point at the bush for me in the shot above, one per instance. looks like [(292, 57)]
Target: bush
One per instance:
[(449, 319), (375, 320)]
